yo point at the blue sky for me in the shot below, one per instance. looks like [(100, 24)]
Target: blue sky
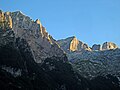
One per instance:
[(91, 21)]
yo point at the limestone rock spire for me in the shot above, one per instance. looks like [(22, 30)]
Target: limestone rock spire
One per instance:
[(109, 45), (72, 44), (5, 20)]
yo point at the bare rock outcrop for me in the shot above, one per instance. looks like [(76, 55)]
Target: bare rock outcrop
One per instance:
[(72, 44), (109, 45), (96, 47), (5, 20), (42, 44)]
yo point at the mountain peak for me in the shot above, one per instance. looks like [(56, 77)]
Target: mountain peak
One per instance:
[(41, 43), (104, 46), (37, 21), (72, 37), (109, 45), (19, 12), (96, 47), (72, 44)]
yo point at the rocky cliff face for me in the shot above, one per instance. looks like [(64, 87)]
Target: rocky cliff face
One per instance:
[(99, 60), (105, 46), (5, 20), (30, 59), (96, 47), (97, 63), (109, 45), (72, 44), (41, 43), (18, 69)]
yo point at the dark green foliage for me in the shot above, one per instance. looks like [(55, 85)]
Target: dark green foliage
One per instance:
[(105, 83), (20, 57), (63, 73), (10, 58)]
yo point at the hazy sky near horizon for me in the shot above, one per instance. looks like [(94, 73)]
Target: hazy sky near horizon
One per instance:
[(91, 21)]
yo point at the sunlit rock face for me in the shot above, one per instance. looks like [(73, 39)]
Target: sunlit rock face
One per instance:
[(96, 47), (8, 19), (5, 20), (19, 71), (90, 63), (20, 46), (25, 40), (109, 45), (105, 46), (72, 44), (41, 43)]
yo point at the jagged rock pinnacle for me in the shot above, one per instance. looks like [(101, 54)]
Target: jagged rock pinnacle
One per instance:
[(5, 20), (96, 47), (41, 43), (109, 45), (72, 44), (37, 21)]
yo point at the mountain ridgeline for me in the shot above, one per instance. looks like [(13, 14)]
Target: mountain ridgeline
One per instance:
[(92, 62), (73, 44), (30, 59)]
